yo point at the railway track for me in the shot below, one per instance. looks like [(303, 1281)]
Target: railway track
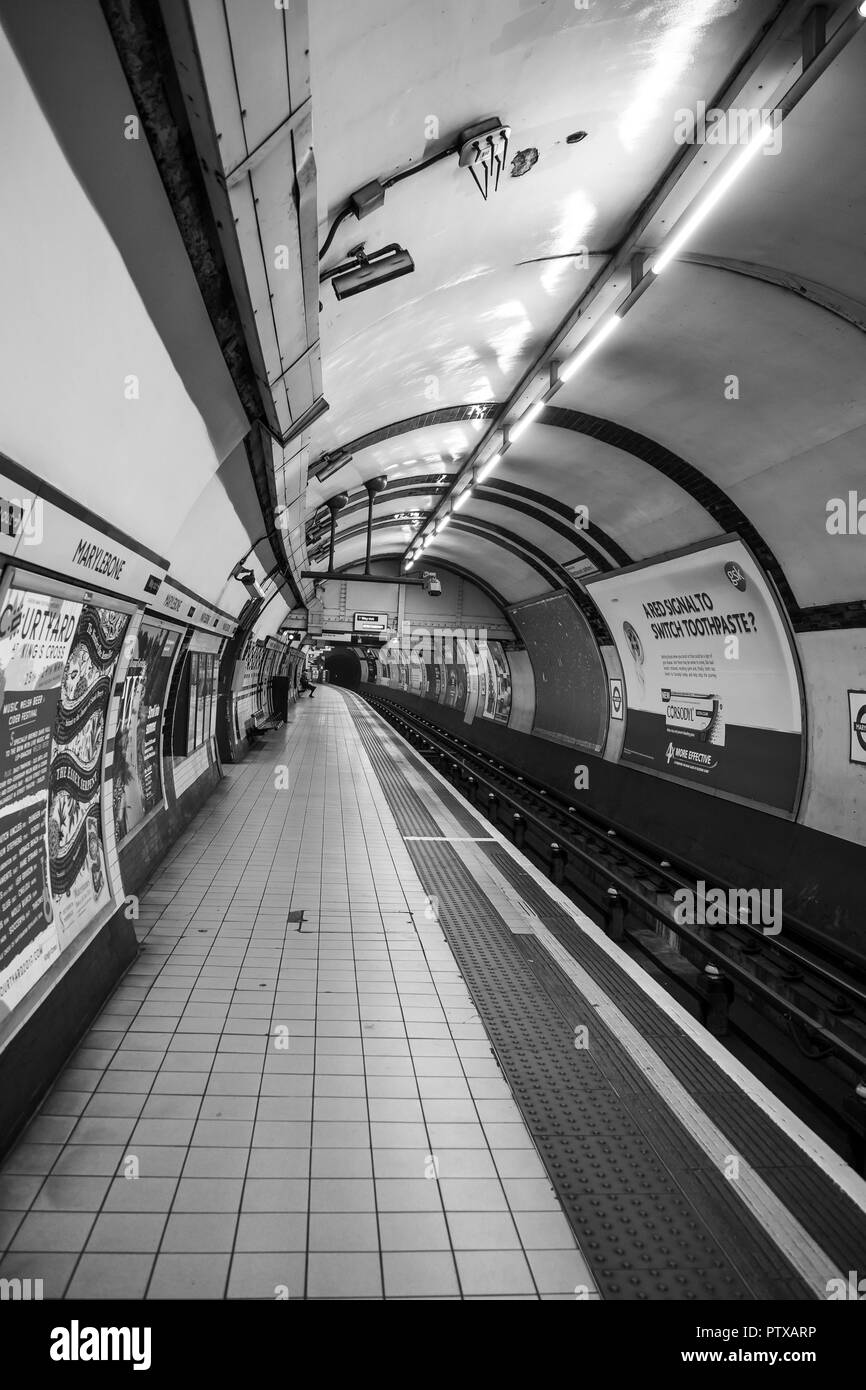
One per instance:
[(735, 972)]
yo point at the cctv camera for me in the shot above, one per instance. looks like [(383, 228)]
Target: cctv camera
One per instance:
[(248, 579), (432, 586)]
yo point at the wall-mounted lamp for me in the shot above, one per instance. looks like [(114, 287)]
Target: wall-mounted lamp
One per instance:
[(362, 272), (329, 463)]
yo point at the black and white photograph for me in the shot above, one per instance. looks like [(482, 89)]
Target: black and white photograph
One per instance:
[(432, 678)]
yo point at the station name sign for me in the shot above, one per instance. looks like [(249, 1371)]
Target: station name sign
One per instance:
[(39, 530), (190, 610)]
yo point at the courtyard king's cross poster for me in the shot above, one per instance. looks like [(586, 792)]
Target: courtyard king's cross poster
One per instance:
[(36, 633)]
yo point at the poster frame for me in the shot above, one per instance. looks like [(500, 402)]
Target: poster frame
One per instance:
[(38, 581), (148, 617), (695, 548)]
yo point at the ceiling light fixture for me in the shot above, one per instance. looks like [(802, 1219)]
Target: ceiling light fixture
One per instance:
[(363, 272), (575, 363), (526, 420), (446, 521), (328, 464), (463, 498), (735, 167), (488, 467)]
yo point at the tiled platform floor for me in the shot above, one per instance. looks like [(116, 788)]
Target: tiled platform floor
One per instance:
[(267, 1108)]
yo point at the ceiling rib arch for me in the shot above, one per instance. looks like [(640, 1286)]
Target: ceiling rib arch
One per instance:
[(444, 415), (845, 307), (531, 555), (534, 503), (702, 489), (529, 504), (699, 487)]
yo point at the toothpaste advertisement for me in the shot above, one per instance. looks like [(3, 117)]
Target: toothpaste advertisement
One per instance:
[(713, 696)]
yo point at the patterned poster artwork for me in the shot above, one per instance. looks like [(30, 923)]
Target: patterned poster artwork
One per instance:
[(79, 883), (137, 749)]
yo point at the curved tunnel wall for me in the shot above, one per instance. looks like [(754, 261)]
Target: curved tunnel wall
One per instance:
[(571, 699), (820, 873)]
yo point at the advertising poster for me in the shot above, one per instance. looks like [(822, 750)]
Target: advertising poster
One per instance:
[(191, 742), (497, 683), (712, 690), (416, 674), (79, 882), (450, 674), (36, 633), (457, 681), (201, 700), (211, 674), (211, 699), (461, 686), (423, 675), (138, 746), (503, 683)]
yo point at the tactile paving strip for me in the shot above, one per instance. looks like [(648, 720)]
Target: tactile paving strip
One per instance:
[(644, 1234), (809, 1193)]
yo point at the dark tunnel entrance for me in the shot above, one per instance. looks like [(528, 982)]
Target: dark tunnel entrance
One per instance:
[(343, 667)]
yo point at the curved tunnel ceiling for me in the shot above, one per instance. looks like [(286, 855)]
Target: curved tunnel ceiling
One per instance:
[(730, 400)]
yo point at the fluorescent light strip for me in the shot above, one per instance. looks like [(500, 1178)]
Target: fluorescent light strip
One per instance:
[(446, 521), (463, 498), (526, 420), (488, 468), (583, 354), (735, 168)]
